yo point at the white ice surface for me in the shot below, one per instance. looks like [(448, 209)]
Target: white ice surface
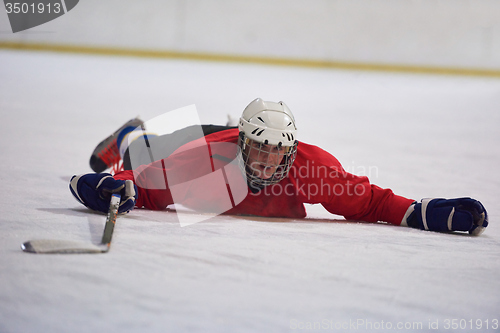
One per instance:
[(422, 136)]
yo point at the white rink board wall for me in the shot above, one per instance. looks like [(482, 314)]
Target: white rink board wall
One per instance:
[(441, 33)]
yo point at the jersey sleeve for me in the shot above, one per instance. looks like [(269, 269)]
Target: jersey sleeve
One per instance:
[(322, 179), (154, 181), (152, 186), (181, 176)]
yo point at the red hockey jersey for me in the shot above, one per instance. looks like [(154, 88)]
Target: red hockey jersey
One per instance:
[(316, 177)]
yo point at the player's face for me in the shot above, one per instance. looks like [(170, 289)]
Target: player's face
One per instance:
[(263, 160)]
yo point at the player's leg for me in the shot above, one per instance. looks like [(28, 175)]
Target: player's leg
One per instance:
[(136, 154), (114, 151), (107, 153)]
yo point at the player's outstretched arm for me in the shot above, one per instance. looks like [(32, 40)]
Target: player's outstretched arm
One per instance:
[(461, 214), (94, 191)]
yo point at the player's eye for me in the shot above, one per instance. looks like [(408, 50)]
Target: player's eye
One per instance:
[(257, 145)]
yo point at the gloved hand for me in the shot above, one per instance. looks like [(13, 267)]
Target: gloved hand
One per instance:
[(94, 191), (461, 214)]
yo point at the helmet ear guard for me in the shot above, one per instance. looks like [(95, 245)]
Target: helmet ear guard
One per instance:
[(268, 124)]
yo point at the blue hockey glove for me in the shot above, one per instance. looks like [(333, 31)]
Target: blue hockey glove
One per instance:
[(462, 214), (94, 191)]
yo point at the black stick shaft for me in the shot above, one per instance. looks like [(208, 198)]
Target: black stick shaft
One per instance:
[(111, 219)]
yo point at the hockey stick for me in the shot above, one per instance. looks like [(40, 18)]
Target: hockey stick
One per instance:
[(62, 246)]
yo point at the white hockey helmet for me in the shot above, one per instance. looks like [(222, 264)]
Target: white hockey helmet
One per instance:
[(266, 123)]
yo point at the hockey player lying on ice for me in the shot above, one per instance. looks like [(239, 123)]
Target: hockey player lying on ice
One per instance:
[(280, 175)]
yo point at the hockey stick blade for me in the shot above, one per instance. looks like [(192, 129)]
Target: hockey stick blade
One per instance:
[(53, 246), (61, 246)]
